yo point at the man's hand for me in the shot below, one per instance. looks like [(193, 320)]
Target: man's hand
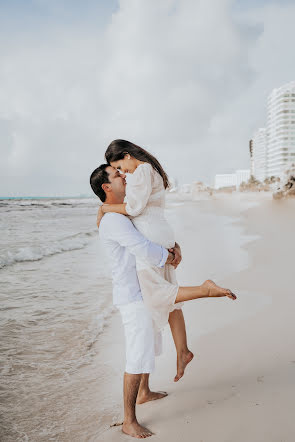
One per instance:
[(99, 216), (170, 258), (177, 255)]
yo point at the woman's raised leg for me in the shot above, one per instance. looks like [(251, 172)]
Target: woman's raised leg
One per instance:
[(176, 320), (207, 290)]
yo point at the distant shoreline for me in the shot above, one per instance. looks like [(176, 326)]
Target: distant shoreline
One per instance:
[(45, 197)]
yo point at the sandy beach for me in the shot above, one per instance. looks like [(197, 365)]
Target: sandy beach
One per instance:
[(62, 352), (240, 386)]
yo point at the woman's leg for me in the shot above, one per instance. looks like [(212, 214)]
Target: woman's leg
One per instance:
[(184, 355), (177, 325), (176, 320), (207, 290)]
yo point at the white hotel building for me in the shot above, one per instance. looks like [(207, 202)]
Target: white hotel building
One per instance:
[(225, 180), (232, 179), (243, 175), (258, 159), (280, 130), (272, 149)]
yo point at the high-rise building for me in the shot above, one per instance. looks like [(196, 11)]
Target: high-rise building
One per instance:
[(259, 149), (280, 130), (251, 157)]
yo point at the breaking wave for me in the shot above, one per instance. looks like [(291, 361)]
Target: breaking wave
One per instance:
[(35, 253)]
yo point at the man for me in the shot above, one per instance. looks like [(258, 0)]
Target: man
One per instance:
[(123, 242)]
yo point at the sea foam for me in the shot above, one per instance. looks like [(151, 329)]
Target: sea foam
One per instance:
[(37, 252)]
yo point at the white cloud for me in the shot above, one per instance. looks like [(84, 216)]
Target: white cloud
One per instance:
[(185, 79)]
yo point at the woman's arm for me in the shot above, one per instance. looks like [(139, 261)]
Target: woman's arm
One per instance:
[(139, 189), (100, 214), (105, 208), (117, 208)]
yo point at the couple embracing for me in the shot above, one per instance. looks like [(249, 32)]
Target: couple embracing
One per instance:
[(143, 256)]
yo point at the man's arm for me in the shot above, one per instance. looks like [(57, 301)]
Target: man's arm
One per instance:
[(121, 229)]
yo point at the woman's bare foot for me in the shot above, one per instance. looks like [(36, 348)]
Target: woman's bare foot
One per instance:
[(150, 396), (216, 291), (136, 430), (182, 361)]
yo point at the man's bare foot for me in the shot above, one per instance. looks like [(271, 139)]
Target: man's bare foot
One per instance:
[(150, 396), (182, 361), (136, 430), (216, 291)]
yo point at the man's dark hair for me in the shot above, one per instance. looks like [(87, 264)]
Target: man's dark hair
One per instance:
[(99, 177)]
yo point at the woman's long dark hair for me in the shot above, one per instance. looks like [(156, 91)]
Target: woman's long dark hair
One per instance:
[(119, 148)]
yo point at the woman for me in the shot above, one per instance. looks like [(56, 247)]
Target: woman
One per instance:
[(145, 204)]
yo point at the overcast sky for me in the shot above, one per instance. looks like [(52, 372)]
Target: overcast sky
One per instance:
[(185, 79)]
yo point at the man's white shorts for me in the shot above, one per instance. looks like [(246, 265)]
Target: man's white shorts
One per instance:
[(142, 342)]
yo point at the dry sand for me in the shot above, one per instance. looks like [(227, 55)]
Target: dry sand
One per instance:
[(240, 387)]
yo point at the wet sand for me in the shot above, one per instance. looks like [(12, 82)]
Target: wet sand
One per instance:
[(241, 384)]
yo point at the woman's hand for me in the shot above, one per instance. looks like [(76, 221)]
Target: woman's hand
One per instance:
[(100, 214), (103, 208), (117, 208)]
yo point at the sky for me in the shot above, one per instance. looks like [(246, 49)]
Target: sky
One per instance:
[(185, 79)]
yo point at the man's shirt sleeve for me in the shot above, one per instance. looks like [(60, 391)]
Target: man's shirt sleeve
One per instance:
[(121, 229)]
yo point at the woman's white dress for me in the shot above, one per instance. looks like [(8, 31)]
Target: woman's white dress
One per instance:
[(145, 204)]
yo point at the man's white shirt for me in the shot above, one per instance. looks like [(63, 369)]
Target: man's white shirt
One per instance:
[(123, 242)]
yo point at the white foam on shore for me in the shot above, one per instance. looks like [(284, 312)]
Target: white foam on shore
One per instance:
[(35, 253)]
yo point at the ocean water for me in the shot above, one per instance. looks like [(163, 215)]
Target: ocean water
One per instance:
[(48, 226), (56, 306), (55, 302)]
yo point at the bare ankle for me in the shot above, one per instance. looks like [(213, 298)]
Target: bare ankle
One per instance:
[(183, 351), (130, 420), (143, 392)]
